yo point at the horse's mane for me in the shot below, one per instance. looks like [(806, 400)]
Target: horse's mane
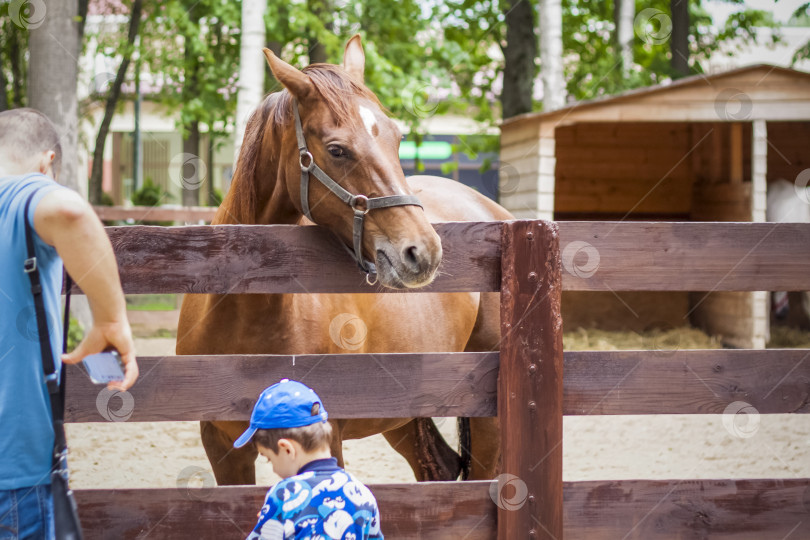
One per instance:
[(335, 86)]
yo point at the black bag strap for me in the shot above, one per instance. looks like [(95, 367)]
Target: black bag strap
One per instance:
[(65, 329), (56, 388)]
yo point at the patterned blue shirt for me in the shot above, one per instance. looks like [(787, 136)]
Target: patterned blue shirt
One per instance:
[(321, 502)]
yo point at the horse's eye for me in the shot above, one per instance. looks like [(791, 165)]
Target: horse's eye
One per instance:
[(336, 150)]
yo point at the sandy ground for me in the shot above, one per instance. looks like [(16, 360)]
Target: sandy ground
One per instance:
[(168, 454)]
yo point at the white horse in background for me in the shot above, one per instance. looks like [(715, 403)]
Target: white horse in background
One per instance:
[(786, 205)]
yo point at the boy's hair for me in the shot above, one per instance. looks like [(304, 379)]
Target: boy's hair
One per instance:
[(26, 132), (310, 437)]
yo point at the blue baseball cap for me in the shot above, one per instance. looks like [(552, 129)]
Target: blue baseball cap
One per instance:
[(286, 404)]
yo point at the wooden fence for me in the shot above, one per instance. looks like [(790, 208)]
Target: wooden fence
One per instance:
[(522, 384)]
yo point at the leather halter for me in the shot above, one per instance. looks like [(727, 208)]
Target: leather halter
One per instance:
[(360, 204)]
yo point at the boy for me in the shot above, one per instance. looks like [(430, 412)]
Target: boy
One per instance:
[(316, 499)]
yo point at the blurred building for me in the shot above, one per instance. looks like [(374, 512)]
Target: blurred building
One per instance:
[(703, 148)]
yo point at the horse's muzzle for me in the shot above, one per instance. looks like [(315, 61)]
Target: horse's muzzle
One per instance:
[(410, 266)]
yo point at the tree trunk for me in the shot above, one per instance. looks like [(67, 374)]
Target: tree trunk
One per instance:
[(190, 164), (17, 68), (273, 43), (54, 48), (317, 52), (252, 67), (3, 84), (210, 158), (551, 54), (94, 187), (270, 82), (190, 167), (679, 41), (83, 5), (519, 56), (623, 15), (322, 9)]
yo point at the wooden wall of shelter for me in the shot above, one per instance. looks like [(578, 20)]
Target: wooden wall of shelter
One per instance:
[(700, 149)]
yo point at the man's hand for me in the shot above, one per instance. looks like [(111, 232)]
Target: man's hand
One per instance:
[(101, 337), (64, 220)]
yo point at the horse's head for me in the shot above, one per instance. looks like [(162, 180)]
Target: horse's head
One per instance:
[(346, 135)]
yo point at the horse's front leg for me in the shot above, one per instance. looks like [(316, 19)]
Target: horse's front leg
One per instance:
[(337, 442), (232, 466)]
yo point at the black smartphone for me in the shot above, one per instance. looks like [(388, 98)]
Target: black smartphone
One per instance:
[(104, 367)]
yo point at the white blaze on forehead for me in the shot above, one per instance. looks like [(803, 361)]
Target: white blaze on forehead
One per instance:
[(369, 120)]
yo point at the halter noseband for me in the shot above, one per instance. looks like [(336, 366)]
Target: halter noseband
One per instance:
[(360, 204)]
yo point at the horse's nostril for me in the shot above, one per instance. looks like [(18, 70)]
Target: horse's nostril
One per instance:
[(411, 255)]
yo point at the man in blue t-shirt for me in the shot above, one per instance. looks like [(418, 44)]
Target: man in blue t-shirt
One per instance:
[(65, 229)]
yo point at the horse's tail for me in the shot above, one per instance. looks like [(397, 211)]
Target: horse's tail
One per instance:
[(464, 441)]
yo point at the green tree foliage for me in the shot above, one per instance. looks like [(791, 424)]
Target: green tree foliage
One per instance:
[(192, 48), (406, 64), (471, 30), (396, 39), (801, 17), (592, 61), (13, 61), (472, 35), (297, 26), (422, 58), (465, 60)]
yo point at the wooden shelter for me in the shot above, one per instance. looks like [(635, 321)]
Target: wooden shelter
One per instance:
[(702, 148)]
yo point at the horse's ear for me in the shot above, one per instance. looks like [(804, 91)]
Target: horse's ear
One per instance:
[(294, 80), (354, 59)]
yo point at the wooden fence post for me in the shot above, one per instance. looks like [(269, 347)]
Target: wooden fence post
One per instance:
[(530, 390)]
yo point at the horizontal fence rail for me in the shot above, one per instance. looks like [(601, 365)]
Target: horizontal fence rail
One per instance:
[(686, 382), (684, 256), (284, 259), (354, 385), (668, 509), (596, 256), (456, 510), (595, 510), (455, 384)]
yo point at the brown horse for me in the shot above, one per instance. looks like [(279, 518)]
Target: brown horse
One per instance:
[(348, 136)]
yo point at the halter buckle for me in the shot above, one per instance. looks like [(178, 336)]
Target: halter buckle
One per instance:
[(301, 156), (359, 199)]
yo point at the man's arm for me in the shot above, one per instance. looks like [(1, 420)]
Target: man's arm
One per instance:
[(64, 220)]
